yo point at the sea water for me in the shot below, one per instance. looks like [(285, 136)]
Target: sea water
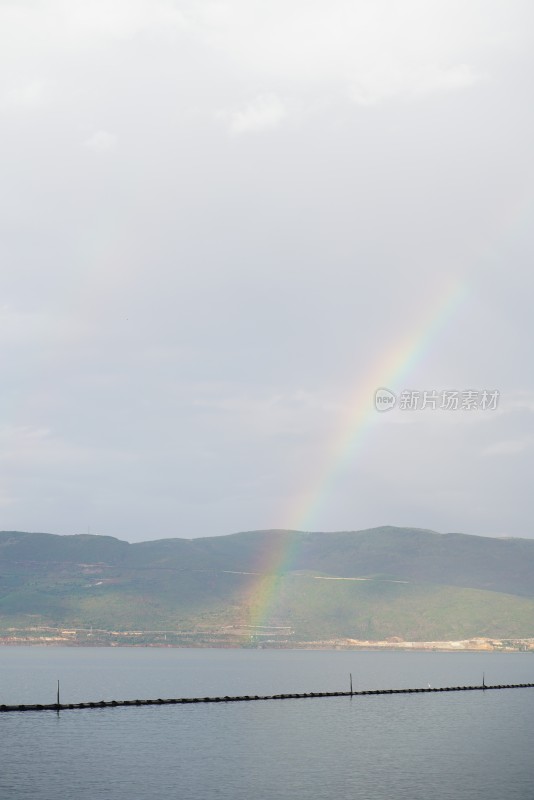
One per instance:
[(414, 747)]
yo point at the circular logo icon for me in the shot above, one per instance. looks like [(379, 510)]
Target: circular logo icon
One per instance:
[(384, 400)]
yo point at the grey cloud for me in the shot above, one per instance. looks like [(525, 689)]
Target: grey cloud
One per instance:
[(187, 316)]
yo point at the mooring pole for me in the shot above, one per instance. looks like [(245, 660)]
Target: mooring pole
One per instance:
[(351, 684), (58, 697), (484, 681)]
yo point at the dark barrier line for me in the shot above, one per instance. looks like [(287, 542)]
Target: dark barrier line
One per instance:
[(248, 698)]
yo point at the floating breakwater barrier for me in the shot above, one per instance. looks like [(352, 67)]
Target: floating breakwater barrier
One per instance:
[(249, 698)]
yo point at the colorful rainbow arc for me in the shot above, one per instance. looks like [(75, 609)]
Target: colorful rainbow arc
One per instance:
[(392, 369)]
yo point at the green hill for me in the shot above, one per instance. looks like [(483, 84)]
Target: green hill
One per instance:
[(373, 584)]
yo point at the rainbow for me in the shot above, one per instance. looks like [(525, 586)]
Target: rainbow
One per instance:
[(351, 433)]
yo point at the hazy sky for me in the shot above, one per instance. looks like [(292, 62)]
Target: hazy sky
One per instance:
[(221, 221)]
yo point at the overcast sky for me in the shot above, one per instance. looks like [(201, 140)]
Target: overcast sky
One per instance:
[(220, 221)]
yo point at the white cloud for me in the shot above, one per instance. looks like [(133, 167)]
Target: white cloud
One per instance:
[(266, 112), (121, 19), (67, 22), (28, 95), (101, 142), (433, 78), (370, 51), (380, 84)]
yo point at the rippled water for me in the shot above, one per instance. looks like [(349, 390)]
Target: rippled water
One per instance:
[(418, 747)]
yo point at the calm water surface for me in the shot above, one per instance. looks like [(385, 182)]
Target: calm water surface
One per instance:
[(468, 745)]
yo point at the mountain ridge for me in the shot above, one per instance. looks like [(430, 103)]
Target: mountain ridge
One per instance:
[(404, 582)]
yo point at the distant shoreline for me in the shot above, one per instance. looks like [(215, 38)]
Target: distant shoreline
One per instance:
[(137, 639)]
